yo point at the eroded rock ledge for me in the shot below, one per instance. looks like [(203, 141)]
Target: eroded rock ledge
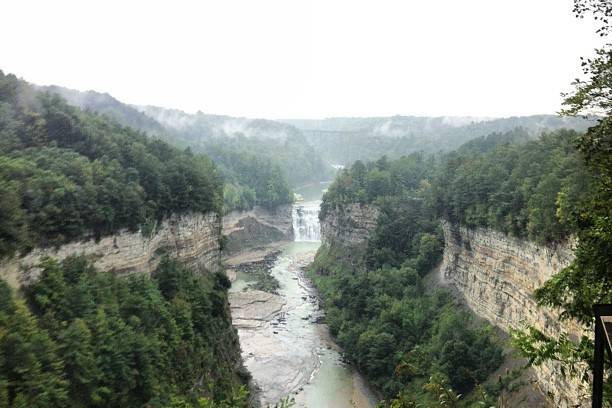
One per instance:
[(253, 308), (497, 276), (257, 227), (350, 225), (191, 238)]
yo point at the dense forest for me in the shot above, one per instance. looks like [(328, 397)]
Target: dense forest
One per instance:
[(85, 338), (505, 181), (388, 321), (67, 174), (256, 158), (401, 334), (251, 154), (79, 337)]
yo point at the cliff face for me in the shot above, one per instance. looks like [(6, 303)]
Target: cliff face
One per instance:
[(497, 275), (350, 225), (191, 238), (259, 226)]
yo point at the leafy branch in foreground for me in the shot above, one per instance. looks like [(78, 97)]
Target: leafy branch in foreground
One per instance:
[(588, 279)]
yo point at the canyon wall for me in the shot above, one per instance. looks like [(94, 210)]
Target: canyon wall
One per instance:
[(350, 225), (191, 238), (496, 275), (257, 227)]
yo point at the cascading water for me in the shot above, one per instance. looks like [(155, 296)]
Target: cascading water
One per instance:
[(306, 221)]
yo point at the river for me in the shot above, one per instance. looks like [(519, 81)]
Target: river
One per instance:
[(287, 349)]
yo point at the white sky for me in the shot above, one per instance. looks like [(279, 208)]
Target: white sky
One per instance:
[(284, 58)]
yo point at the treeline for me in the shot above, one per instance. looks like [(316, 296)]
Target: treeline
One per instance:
[(524, 188), (527, 190), (65, 173), (248, 179), (83, 338), (404, 338), (259, 160)]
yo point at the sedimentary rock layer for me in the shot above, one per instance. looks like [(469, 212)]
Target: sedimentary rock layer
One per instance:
[(191, 238), (350, 225), (497, 276), (259, 226)]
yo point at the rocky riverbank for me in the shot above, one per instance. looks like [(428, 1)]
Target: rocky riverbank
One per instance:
[(285, 345)]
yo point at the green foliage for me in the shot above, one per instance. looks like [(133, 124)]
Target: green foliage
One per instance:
[(513, 188), (90, 339), (264, 281), (395, 331), (251, 179), (67, 174), (588, 279)]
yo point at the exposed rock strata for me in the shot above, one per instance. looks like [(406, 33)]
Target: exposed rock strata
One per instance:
[(351, 225), (497, 275), (191, 238), (259, 226)]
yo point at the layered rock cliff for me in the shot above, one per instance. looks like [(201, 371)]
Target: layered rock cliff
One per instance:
[(497, 275), (257, 227), (350, 225), (191, 238)]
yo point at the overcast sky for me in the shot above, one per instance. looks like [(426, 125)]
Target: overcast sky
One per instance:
[(299, 59)]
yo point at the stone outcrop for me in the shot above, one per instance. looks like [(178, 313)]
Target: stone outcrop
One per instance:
[(253, 308), (191, 238), (497, 276), (350, 225), (257, 227)]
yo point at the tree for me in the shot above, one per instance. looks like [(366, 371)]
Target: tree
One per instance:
[(588, 279)]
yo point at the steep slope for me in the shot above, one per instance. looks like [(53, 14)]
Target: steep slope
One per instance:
[(68, 174), (84, 202), (268, 140), (498, 209), (105, 104), (497, 276)]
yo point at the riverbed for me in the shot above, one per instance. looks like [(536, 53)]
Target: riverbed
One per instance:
[(285, 344)]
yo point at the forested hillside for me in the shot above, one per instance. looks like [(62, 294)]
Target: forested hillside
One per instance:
[(259, 160), (377, 304), (344, 140), (67, 174), (276, 142), (84, 338), (80, 337)]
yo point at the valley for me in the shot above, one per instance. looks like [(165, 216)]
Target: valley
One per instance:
[(285, 333), (306, 205)]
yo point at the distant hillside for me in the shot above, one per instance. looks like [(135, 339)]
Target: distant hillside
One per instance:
[(66, 174), (230, 141), (344, 140), (105, 104), (200, 127)]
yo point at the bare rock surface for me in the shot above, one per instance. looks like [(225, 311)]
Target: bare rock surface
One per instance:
[(497, 275), (257, 227), (350, 225), (191, 238), (253, 308)]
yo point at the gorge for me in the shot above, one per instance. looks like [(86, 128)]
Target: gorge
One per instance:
[(285, 342), (154, 257)]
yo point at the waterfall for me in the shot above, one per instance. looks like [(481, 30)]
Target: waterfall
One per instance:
[(306, 221)]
